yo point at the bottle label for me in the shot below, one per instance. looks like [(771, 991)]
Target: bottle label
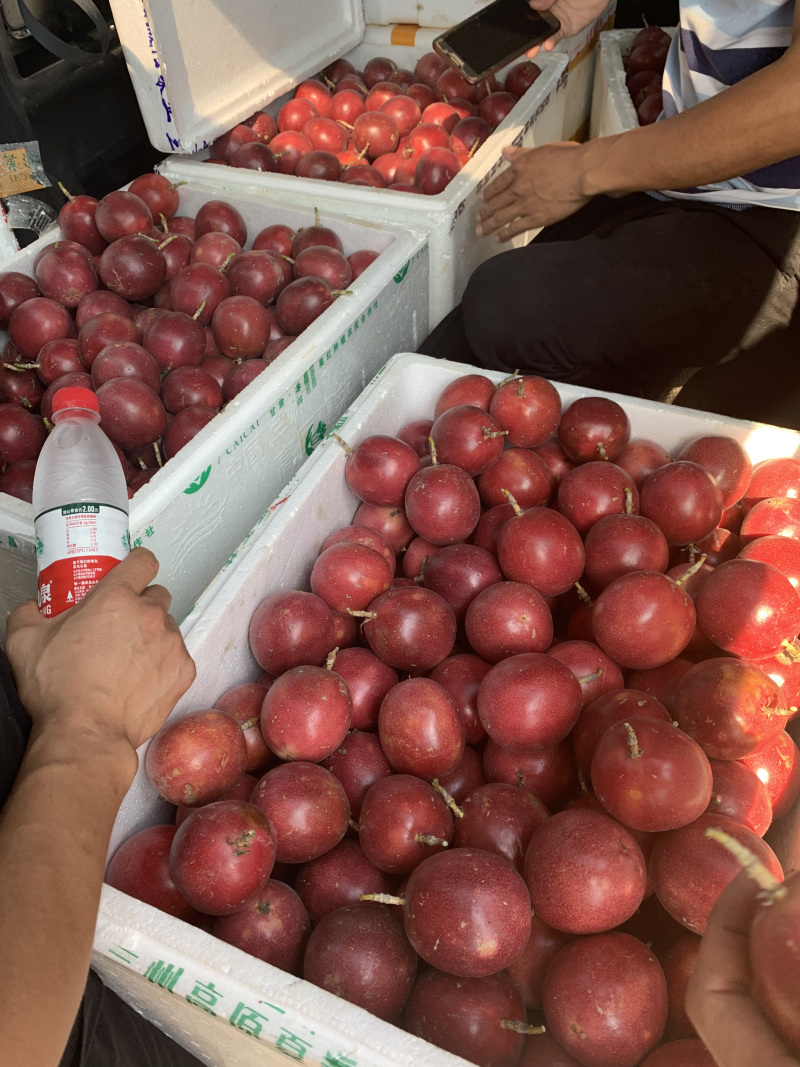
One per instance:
[(75, 546)]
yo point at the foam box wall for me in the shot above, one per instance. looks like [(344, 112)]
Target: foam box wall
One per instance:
[(448, 217), (580, 51), (171, 970), (434, 13), (612, 108), (197, 509)]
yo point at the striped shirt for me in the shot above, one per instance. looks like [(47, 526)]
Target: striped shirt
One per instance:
[(720, 42)]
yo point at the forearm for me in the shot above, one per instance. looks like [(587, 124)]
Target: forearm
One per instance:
[(750, 125), (54, 834)]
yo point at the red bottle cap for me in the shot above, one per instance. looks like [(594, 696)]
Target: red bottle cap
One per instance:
[(75, 396)]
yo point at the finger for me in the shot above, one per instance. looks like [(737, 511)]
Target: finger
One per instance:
[(533, 52), (159, 595), (511, 152), (25, 614), (518, 226), (135, 572), (724, 942), (503, 200), (718, 998), (498, 185), (502, 217)]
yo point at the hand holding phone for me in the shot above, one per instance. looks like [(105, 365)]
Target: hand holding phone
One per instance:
[(495, 36)]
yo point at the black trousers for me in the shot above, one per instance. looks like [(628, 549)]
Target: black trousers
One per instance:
[(629, 292), (107, 1032)]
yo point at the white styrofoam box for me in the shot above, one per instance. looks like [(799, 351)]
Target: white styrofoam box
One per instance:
[(8, 242), (199, 67), (198, 508), (580, 51), (612, 108), (448, 217), (435, 13), (278, 554)]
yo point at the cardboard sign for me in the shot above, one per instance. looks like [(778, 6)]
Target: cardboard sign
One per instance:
[(21, 169)]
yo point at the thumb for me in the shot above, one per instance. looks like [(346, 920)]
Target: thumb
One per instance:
[(25, 614), (511, 152)]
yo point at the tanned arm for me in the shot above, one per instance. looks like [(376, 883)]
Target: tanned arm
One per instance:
[(97, 682)]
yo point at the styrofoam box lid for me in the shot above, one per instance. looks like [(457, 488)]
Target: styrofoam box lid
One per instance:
[(198, 67)]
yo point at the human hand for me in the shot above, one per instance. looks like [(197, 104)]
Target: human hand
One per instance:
[(574, 16), (541, 186), (718, 1001), (110, 669)]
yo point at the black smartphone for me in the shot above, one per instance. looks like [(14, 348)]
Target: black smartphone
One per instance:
[(496, 35)]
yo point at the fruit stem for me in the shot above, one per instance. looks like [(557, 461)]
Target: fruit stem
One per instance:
[(600, 448), (331, 85), (351, 822), (517, 509), (176, 185), (223, 267), (329, 662), (628, 501), (591, 677), (487, 433), (383, 898), (316, 216), (633, 744), (429, 839), (791, 650), (420, 578), (584, 596), (341, 292), (448, 799), (69, 196), (520, 1027), (142, 464), (199, 311), (362, 614), (164, 223), (164, 244), (250, 723), (344, 444), (583, 785), (288, 258), (18, 368), (771, 888), (695, 567), (434, 457), (157, 451), (785, 712), (511, 378)]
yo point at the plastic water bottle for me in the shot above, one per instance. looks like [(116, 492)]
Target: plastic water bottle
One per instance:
[(80, 504)]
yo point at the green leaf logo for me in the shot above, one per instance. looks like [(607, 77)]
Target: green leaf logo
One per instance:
[(314, 436), (197, 485), (402, 273), (39, 546)]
